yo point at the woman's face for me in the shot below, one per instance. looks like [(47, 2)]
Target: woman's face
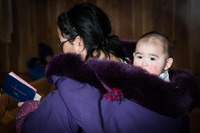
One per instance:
[(77, 46), (66, 45)]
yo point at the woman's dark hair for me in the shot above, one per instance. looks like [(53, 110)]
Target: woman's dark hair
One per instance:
[(93, 25)]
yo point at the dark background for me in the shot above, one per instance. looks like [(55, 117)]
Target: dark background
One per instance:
[(25, 23)]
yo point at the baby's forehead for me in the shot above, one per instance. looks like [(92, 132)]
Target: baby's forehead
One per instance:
[(152, 40)]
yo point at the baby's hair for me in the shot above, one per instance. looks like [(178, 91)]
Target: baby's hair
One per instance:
[(163, 38)]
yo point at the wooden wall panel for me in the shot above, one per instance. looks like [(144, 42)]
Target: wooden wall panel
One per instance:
[(157, 14), (194, 43), (35, 21), (6, 30), (23, 11), (125, 19), (121, 16), (182, 34), (147, 16), (166, 17), (112, 8), (137, 18)]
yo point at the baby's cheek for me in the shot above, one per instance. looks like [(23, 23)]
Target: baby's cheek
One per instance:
[(136, 64), (154, 70)]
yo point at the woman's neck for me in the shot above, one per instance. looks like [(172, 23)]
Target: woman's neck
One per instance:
[(109, 57)]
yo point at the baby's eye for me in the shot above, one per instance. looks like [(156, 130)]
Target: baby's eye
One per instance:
[(152, 58), (139, 57)]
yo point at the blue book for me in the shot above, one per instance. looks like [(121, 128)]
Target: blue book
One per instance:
[(19, 89)]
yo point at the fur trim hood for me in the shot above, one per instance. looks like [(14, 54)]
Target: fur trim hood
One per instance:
[(175, 98)]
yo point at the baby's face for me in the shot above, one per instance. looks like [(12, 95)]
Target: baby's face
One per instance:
[(151, 56)]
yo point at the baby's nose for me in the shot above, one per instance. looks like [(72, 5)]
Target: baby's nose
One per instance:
[(144, 63)]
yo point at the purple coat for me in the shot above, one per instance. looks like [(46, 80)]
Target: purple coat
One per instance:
[(147, 104)]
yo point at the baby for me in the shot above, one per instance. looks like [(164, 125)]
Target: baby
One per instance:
[(153, 53)]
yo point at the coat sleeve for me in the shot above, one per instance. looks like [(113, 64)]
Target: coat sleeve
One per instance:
[(51, 116), (83, 103), (27, 108)]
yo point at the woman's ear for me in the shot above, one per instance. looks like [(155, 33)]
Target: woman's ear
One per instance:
[(79, 44), (168, 63), (80, 47)]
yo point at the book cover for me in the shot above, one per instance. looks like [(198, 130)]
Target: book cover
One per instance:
[(18, 88)]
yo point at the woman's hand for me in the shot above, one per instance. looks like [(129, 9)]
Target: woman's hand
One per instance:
[(20, 104)]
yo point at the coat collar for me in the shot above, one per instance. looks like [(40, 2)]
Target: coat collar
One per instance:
[(175, 98)]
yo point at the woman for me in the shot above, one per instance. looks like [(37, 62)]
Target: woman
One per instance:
[(97, 92)]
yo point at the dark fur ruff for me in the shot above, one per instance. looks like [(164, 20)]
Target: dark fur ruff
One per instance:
[(173, 99)]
